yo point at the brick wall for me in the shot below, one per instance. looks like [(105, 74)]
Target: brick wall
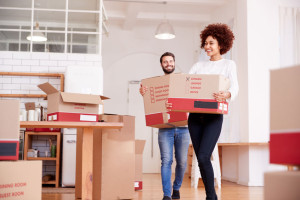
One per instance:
[(42, 63)]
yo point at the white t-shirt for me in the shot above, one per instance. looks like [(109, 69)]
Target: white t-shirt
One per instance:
[(224, 67)]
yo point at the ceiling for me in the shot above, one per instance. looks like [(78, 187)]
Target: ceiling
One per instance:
[(128, 13), (131, 12)]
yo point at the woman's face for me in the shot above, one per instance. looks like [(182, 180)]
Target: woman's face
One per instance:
[(211, 46)]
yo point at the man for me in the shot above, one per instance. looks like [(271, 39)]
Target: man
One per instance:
[(177, 137)]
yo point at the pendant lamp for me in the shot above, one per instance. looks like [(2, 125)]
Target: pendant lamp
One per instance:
[(37, 36), (165, 31)]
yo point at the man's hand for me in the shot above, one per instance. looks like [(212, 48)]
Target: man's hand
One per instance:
[(143, 90), (222, 96)]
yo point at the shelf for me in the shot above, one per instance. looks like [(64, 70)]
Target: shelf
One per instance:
[(28, 145), (41, 158), (48, 182)]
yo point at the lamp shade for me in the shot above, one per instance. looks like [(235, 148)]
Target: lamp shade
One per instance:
[(165, 31), (37, 36)]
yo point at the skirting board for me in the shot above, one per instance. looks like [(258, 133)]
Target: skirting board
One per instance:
[(234, 180)]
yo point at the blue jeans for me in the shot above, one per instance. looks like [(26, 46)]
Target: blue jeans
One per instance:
[(180, 139)]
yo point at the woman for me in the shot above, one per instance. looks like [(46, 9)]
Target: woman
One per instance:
[(205, 129)]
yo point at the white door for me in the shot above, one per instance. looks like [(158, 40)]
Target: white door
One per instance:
[(151, 155)]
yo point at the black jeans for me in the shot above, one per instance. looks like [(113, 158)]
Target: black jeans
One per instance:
[(205, 130)]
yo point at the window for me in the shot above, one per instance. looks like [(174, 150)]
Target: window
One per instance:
[(70, 26)]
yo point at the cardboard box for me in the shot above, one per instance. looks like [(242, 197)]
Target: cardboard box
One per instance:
[(139, 149), (63, 106), (284, 148), (9, 129), (21, 180), (282, 185), (284, 116), (284, 97), (118, 159), (186, 92)]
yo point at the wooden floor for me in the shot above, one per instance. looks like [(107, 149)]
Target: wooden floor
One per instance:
[(152, 191)]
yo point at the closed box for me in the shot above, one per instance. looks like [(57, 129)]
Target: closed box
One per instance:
[(285, 116), (118, 159), (282, 185), (9, 129), (63, 106), (186, 92), (21, 180)]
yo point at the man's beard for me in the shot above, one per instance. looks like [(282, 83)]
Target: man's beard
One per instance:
[(167, 71)]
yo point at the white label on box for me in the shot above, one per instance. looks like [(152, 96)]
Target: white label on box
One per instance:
[(220, 106), (92, 118), (54, 117), (137, 184), (49, 118), (225, 107)]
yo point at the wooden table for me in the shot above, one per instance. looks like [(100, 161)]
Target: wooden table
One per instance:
[(85, 188)]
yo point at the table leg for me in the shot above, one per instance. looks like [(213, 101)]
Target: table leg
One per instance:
[(87, 164), (78, 176)]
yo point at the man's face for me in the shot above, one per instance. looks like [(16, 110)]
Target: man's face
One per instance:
[(168, 64)]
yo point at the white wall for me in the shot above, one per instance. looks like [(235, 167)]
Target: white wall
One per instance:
[(134, 55), (37, 62), (256, 51)]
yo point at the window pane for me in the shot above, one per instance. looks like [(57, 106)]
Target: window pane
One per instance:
[(3, 46), (83, 43), (12, 19), (83, 20), (56, 42), (84, 5), (38, 47), (8, 39), (16, 3), (50, 4), (53, 19)]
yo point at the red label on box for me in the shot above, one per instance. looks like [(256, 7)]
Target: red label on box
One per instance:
[(43, 129), (72, 117), (284, 148), (138, 185), (198, 105), (158, 118)]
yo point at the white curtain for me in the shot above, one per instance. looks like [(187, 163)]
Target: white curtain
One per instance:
[(289, 36)]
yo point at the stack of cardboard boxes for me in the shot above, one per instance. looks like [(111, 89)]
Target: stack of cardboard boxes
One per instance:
[(285, 134), (187, 93), (19, 179), (117, 146)]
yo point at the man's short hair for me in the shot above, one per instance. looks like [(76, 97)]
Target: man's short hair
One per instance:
[(167, 54)]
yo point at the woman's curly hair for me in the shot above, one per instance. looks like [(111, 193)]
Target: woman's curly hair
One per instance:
[(220, 32)]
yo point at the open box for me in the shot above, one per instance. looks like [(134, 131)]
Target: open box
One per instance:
[(64, 106)]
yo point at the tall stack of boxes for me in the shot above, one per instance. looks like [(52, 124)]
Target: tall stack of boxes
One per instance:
[(285, 134), (19, 179), (118, 159)]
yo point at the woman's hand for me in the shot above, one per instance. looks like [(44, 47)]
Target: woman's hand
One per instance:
[(143, 90), (222, 96), (168, 106)]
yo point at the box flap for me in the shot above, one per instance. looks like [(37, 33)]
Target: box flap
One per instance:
[(104, 97), (48, 88), (81, 98), (30, 106), (139, 146)]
